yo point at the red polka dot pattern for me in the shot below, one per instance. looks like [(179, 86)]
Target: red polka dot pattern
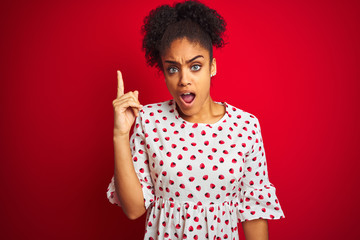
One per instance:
[(199, 180)]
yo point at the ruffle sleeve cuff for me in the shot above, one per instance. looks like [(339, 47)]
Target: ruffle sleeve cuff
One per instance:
[(111, 194), (260, 204)]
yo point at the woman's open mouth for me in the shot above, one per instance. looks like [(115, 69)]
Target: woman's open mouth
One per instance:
[(188, 98)]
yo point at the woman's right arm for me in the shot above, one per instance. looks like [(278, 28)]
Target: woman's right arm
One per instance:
[(127, 185)]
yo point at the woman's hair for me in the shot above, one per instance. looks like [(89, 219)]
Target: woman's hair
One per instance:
[(190, 19)]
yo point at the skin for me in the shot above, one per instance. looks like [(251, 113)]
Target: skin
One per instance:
[(184, 71), (256, 229)]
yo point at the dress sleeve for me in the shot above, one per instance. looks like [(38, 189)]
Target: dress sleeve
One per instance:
[(141, 166), (141, 161), (258, 198)]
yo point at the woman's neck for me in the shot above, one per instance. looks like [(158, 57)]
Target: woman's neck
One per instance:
[(211, 112)]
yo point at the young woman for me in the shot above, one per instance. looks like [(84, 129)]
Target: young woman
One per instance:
[(196, 166)]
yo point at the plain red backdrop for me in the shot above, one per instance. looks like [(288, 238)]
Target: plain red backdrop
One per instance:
[(293, 64)]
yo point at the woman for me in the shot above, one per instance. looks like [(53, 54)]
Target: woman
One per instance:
[(196, 166)]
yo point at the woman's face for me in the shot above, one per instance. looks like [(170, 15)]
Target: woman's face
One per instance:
[(187, 71)]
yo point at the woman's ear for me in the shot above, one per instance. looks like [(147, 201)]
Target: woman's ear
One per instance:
[(213, 68)]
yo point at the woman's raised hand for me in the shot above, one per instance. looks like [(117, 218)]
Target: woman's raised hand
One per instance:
[(126, 108)]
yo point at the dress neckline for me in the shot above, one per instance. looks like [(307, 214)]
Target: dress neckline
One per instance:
[(222, 119)]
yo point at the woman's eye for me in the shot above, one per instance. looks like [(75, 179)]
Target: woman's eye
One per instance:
[(196, 67), (172, 70)]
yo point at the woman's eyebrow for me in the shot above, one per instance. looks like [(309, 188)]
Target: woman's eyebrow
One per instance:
[(188, 61)]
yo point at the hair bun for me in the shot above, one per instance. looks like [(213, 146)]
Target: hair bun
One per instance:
[(208, 19)]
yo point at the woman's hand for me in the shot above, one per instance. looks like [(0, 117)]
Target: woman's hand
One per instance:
[(126, 108)]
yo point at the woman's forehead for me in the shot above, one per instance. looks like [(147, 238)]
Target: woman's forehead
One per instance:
[(185, 50)]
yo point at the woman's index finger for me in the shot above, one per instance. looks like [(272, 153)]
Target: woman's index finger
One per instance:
[(120, 88)]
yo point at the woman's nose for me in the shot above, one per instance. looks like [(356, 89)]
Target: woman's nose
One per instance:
[(184, 79)]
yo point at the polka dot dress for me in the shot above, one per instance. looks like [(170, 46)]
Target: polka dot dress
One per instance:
[(199, 180)]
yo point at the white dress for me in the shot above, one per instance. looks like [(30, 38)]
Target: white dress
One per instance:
[(199, 180)]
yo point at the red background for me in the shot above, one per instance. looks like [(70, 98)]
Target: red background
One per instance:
[(293, 64)]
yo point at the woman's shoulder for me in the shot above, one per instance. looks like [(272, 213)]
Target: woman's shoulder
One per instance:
[(240, 117), (239, 113)]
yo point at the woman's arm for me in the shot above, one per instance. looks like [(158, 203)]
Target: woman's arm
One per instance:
[(256, 229), (127, 185)]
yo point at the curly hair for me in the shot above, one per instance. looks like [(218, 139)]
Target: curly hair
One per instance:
[(190, 19)]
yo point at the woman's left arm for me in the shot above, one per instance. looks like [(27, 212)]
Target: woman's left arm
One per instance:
[(256, 229)]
